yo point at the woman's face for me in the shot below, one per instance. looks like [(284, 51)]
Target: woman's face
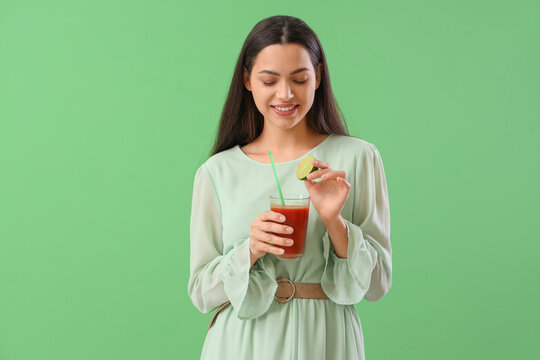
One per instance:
[(283, 83)]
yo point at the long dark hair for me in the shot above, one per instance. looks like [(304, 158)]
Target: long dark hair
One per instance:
[(241, 122)]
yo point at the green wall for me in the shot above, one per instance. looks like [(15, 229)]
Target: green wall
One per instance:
[(108, 107)]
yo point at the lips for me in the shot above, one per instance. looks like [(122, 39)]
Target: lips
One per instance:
[(284, 107)]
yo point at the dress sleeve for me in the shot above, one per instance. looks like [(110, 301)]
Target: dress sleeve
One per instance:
[(217, 277), (366, 273)]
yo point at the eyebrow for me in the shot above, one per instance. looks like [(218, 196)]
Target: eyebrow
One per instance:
[(275, 73)]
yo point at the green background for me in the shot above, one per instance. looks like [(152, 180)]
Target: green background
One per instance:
[(108, 107)]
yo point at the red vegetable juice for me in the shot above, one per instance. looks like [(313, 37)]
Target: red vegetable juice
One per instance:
[(297, 218)]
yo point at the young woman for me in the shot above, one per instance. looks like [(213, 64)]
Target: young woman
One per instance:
[(280, 99)]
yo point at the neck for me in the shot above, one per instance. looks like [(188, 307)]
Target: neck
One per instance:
[(286, 144), (286, 140)]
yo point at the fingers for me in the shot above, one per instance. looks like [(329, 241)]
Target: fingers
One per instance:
[(263, 238), (262, 242), (327, 174), (269, 226), (271, 216), (320, 164), (317, 174), (344, 181), (333, 175), (270, 238), (259, 248)]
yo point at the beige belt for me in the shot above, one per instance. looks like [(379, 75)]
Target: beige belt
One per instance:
[(287, 290)]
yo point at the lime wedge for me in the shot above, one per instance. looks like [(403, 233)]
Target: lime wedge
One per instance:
[(305, 168)]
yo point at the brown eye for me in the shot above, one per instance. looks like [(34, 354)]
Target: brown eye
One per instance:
[(269, 83)]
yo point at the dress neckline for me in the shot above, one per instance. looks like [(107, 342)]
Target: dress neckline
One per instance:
[(237, 147)]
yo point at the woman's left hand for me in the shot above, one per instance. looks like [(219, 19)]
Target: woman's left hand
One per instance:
[(329, 195)]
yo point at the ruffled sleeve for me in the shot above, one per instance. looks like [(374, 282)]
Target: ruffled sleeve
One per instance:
[(215, 276), (366, 273)]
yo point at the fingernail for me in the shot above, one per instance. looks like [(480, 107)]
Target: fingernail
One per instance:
[(290, 242), (282, 218), (281, 251), (289, 230)]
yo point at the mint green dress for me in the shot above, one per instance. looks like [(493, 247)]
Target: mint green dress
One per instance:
[(230, 191)]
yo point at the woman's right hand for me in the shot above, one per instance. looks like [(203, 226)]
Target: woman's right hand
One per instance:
[(263, 237)]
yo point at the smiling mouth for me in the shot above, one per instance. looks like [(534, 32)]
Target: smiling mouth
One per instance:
[(285, 108)]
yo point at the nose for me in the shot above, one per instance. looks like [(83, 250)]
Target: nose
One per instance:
[(284, 92)]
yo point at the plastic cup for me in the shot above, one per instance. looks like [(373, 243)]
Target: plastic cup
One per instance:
[(296, 212)]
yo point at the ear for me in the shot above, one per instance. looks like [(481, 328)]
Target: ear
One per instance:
[(318, 76), (247, 82)]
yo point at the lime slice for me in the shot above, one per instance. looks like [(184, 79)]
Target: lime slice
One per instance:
[(305, 168)]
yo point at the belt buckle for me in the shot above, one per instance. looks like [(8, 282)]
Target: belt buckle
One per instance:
[(293, 291)]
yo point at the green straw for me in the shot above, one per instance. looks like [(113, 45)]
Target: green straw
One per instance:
[(275, 175)]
